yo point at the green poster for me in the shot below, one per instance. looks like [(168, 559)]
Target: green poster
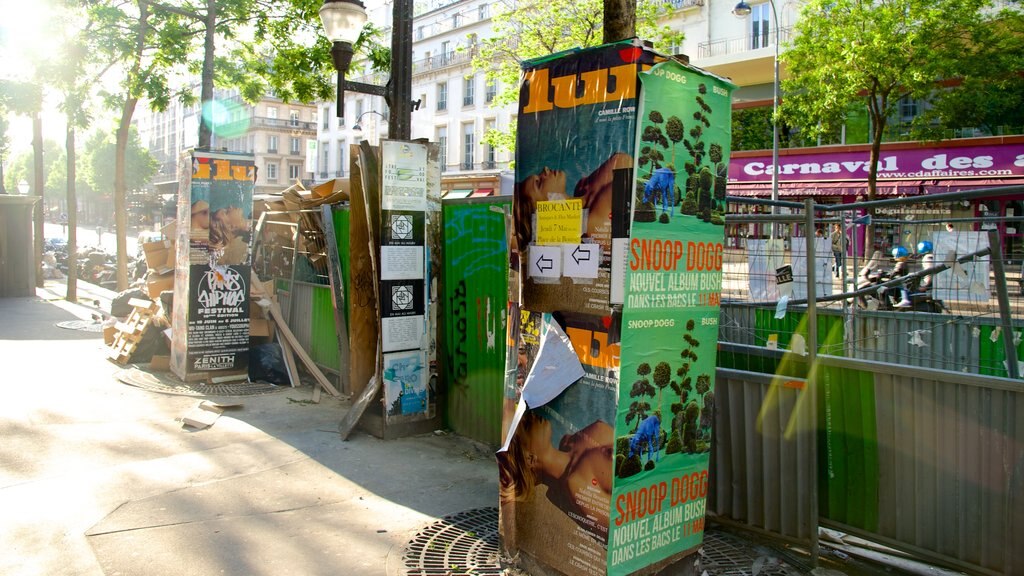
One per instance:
[(673, 279)]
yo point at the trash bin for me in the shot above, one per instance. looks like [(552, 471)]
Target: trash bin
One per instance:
[(17, 256)]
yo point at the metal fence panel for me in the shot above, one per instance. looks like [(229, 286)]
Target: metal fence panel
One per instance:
[(761, 465), (951, 459)]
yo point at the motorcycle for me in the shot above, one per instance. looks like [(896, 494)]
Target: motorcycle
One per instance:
[(914, 295)]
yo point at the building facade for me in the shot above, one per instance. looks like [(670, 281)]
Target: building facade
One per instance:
[(276, 133)]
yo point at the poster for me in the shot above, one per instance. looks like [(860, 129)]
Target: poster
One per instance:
[(405, 383), (670, 319), (557, 508), (402, 245), (210, 323), (575, 137)]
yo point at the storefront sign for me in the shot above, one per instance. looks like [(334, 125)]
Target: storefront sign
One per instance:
[(1004, 161)]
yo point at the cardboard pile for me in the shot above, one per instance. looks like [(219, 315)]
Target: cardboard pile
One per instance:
[(160, 259)]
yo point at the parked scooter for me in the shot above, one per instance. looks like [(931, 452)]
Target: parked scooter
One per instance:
[(913, 295)]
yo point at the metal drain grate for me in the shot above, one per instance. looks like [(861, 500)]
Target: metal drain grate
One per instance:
[(165, 385), (460, 544), (725, 555), (83, 325)]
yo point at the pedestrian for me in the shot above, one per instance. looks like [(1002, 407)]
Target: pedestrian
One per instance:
[(818, 233), (839, 244)]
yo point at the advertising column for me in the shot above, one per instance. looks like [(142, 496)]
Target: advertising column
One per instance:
[(210, 324), (622, 162)]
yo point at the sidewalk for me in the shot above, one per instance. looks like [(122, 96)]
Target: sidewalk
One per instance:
[(97, 477)]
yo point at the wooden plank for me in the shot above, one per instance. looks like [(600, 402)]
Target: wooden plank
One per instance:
[(358, 408), (140, 303), (275, 311), (289, 362), (363, 323)]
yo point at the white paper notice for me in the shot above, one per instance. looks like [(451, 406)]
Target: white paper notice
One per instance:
[(545, 261), (402, 333), (557, 366), (580, 260), (404, 176), (401, 262), (798, 345), (620, 256)]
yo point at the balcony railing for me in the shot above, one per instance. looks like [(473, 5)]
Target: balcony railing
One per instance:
[(743, 44), (285, 123), (443, 60), (684, 4)]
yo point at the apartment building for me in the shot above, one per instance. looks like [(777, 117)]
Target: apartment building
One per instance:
[(276, 133), (454, 102)]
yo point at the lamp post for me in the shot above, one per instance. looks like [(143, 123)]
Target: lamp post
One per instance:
[(742, 10), (343, 20), (356, 126)]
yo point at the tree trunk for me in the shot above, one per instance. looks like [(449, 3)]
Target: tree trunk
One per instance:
[(37, 168), (120, 194), (619, 20), (120, 148), (72, 295), (206, 89)]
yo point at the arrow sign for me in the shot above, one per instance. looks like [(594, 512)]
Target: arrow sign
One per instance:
[(545, 261), (581, 260), (580, 255)]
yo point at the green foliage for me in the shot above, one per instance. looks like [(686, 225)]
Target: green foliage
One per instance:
[(690, 324), (20, 168), (703, 384), (663, 218), (98, 162), (674, 445), (643, 369), (649, 466), (848, 52), (530, 30)]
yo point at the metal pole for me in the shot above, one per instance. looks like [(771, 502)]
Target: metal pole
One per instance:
[(775, 121), (812, 382), (400, 84), (1005, 321)]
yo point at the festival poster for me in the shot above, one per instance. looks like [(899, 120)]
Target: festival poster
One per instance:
[(556, 473), (575, 137), (211, 317), (670, 318)]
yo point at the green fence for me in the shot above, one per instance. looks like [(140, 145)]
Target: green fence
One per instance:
[(475, 298)]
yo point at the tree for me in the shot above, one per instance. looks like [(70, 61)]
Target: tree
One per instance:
[(847, 52), (534, 29), (98, 161), (675, 131)]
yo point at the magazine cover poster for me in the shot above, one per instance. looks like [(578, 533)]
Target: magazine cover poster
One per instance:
[(576, 126), (670, 318), (556, 474)]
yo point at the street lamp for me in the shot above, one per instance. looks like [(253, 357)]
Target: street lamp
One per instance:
[(742, 10), (23, 188), (356, 126), (343, 20)]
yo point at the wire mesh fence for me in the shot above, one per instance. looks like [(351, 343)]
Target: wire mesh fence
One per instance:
[(931, 281)]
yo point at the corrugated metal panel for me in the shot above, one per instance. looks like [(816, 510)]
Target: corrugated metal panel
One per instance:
[(323, 335), (942, 342), (311, 320), (762, 477), (951, 468), (474, 314)]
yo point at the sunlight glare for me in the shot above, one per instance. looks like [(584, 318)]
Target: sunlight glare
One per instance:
[(27, 37)]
